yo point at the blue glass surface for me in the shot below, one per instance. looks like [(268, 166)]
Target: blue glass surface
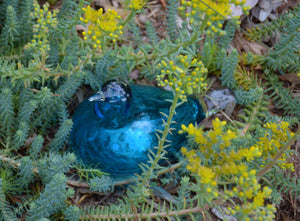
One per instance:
[(114, 129)]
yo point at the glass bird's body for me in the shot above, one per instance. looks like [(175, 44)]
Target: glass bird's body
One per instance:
[(116, 134)]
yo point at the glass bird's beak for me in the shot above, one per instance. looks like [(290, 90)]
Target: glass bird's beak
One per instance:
[(97, 97)]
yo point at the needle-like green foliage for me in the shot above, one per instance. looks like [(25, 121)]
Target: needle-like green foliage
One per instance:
[(45, 59)]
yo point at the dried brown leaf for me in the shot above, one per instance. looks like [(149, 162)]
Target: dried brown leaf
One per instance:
[(242, 45), (292, 78)]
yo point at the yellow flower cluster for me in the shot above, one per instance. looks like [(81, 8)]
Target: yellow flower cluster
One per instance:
[(215, 11), (186, 75), (252, 196), (225, 160), (45, 21), (216, 161), (253, 200), (137, 4), (276, 135), (101, 26)]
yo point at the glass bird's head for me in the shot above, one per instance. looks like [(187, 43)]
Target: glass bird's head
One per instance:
[(112, 102)]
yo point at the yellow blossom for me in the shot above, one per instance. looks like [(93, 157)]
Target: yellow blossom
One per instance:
[(45, 21), (216, 160), (274, 140), (217, 8), (261, 195), (250, 153), (101, 25), (137, 4), (181, 75), (206, 174)]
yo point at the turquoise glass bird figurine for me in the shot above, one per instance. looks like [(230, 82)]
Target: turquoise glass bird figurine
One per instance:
[(115, 129)]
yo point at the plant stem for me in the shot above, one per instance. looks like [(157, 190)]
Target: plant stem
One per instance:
[(203, 24), (153, 215), (253, 115), (154, 56), (161, 141), (132, 13)]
